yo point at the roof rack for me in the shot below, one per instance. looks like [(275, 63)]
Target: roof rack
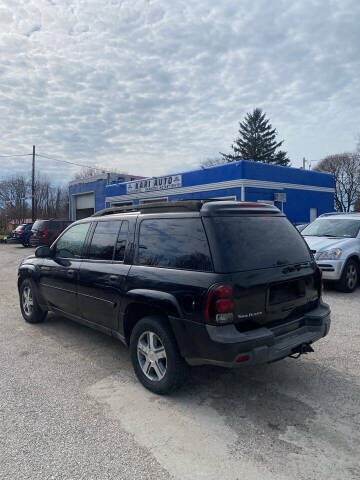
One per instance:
[(156, 207), (112, 210), (193, 205)]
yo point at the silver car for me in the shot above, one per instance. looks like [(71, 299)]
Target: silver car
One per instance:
[(334, 240)]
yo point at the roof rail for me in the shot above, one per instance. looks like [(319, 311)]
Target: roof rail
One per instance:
[(156, 207), (111, 210), (330, 214), (193, 205)]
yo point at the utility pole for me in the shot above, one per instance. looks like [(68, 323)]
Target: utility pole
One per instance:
[(33, 212)]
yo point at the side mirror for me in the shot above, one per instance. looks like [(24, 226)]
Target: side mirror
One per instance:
[(43, 252)]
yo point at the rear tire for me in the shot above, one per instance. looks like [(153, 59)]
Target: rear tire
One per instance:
[(30, 308), (349, 278), (155, 356)]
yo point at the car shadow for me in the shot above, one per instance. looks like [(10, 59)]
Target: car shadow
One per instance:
[(287, 407)]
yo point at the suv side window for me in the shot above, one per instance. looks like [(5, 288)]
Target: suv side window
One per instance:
[(174, 243), (103, 240), (70, 244), (122, 241), (54, 225)]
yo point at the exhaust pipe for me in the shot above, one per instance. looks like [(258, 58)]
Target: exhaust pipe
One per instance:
[(301, 350)]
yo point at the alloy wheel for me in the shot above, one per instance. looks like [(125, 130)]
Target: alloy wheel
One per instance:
[(351, 276), (151, 356), (27, 301)]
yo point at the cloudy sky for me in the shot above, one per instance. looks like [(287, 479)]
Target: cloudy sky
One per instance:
[(153, 87)]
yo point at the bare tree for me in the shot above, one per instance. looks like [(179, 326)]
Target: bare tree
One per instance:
[(50, 201), (86, 172), (13, 192), (346, 170), (212, 162)]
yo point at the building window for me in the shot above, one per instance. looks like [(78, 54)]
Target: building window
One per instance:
[(155, 200), (231, 197), (120, 204)]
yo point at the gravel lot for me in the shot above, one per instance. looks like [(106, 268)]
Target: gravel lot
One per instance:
[(70, 407)]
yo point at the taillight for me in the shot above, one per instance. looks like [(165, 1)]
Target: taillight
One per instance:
[(219, 304), (44, 233), (20, 231)]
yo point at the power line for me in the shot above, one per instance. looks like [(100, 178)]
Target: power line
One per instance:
[(52, 158), (67, 161), (17, 155)]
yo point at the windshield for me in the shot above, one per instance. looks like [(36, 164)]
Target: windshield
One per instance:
[(250, 243), (20, 227), (333, 227)]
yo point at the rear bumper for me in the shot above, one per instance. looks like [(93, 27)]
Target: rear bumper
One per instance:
[(36, 242), (12, 240), (221, 345)]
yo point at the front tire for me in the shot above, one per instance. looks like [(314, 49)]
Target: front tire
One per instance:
[(349, 278), (30, 308), (155, 356)]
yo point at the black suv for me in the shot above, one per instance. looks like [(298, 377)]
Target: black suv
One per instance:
[(184, 283)]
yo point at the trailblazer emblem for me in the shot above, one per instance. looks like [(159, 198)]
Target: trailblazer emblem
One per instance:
[(249, 315)]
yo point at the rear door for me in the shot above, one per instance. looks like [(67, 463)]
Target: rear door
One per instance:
[(103, 273), (172, 255)]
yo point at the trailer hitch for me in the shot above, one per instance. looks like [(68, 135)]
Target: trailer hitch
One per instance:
[(301, 350)]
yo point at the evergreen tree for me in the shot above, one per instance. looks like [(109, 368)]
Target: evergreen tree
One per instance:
[(257, 142)]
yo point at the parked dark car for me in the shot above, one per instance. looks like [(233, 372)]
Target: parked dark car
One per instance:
[(44, 232), (22, 234), (186, 283)]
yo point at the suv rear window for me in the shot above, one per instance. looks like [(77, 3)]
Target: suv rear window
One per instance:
[(250, 243), (174, 243), (40, 224), (54, 225)]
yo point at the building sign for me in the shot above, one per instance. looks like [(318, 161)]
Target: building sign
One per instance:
[(155, 183), (280, 197)]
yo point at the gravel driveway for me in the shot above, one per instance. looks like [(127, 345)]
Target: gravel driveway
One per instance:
[(70, 407)]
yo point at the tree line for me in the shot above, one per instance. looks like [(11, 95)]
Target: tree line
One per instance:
[(256, 141), (15, 200)]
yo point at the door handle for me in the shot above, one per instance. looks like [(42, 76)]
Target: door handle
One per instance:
[(113, 279), (70, 273)]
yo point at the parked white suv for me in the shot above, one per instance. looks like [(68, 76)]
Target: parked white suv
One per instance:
[(334, 240)]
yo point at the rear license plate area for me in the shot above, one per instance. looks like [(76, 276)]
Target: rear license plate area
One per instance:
[(286, 292)]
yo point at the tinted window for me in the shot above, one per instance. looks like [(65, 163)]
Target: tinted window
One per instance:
[(103, 241), (54, 225), (249, 243), (39, 224), (174, 243), (333, 227), (71, 243), (121, 241), (20, 227)]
